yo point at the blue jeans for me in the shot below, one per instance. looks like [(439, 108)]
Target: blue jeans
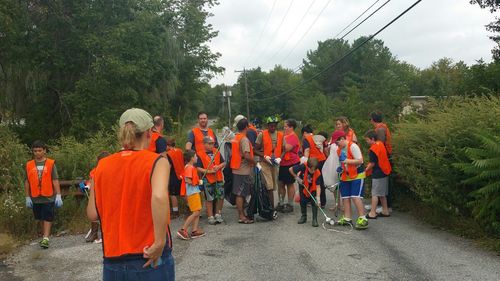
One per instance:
[(131, 269)]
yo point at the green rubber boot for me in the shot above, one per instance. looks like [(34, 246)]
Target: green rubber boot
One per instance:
[(303, 217), (314, 209)]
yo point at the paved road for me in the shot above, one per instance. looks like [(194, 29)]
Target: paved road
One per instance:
[(396, 248)]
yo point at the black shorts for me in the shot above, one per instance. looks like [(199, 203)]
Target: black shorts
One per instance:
[(285, 176), (44, 211), (174, 186)]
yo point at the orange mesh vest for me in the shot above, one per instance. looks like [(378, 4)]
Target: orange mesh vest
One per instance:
[(177, 158), (351, 171), (388, 144), (313, 150), (235, 151), (349, 136), (198, 138), (122, 185), (152, 141), (40, 186), (311, 189), (383, 160), (267, 144), (189, 172), (205, 159)]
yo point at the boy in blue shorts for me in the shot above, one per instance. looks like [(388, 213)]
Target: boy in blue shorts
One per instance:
[(352, 175)]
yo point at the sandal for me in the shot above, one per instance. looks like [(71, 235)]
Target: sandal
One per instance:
[(383, 215), (245, 221), (370, 217)]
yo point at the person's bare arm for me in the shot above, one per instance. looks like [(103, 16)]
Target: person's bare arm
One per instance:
[(57, 186), (306, 152), (91, 208), (249, 158), (188, 146), (369, 166), (27, 188), (353, 161)]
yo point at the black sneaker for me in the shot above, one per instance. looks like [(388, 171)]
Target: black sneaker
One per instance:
[(279, 208), (287, 208)]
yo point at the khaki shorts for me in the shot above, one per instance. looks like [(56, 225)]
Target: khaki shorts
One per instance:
[(270, 174)]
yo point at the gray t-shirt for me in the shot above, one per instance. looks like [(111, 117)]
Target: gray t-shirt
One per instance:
[(245, 167), (39, 166)]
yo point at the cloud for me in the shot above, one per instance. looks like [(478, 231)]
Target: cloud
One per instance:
[(432, 30)]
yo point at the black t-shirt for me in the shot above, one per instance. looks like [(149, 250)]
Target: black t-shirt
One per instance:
[(161, 145), (305, 144), (302, 169), (173, 180), (252, 136), (376, 172)]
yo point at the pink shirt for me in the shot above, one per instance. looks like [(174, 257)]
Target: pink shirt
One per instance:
[(293, 140)]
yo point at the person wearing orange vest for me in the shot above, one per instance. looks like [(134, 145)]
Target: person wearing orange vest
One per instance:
[(383, 133), (342, 124), (311, 149), (191, 189), (157, 142), (195, 136), (176, 160), (252, 132), (210, 163), (93, 235), (129, 194), (352, 174), (42, 189), (380, 169), (308, 176), (242, 162), (269, 145)]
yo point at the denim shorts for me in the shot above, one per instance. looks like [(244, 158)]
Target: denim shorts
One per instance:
[(130, 269)]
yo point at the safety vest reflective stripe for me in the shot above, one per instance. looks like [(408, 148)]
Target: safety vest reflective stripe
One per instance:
[(40, 186), (267, 144)]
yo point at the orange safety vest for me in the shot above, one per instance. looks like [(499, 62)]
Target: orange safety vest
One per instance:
[(288, 154), (198, 138), (311, 189), (267, 143), (235, 151), (350, 135), (189, 172), (313, 150), (205, 159), (252, 127), (387, 143), (40, 186), (177, 158), (152, 142), (352, 170), (383, 160), (122, 185)]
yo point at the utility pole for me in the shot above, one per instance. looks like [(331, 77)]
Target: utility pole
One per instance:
[(246, 90), (227, 94)]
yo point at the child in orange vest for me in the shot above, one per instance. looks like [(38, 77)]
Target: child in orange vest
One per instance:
[(352, 175), (380, 169), (213, 181), (176, 160), (308, 177), (190, 188)]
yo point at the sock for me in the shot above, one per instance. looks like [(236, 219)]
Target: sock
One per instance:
[(175, 209), (46, 238), (363, 216)]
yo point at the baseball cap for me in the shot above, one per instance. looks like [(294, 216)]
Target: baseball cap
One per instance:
[(141, 118), (237, 119), (208, 139), (337, 134)]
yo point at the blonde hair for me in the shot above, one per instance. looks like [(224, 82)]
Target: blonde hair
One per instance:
[(129, 135), (345, 123)]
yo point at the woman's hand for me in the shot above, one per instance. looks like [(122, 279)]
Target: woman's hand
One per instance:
[(153, 254)]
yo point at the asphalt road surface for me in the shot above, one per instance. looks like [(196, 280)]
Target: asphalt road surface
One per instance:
[(395, 248)]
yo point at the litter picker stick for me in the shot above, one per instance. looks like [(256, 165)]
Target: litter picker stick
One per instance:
[(328, 220)]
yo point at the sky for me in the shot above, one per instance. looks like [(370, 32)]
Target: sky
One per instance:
[(266, 33)]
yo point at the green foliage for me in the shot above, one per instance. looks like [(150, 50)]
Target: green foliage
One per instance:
[(484, 172), (427, 148), (13, 155)]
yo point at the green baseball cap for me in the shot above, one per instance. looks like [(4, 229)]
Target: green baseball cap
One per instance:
[(141, 118)]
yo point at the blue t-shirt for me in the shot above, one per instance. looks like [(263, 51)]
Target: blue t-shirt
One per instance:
[(161, 145), (192, 189)]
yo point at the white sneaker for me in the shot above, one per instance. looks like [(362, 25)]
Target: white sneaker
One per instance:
[(219, 219), (211, 221)]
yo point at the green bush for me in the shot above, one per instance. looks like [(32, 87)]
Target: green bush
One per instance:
[(427, 148), (13, 156)]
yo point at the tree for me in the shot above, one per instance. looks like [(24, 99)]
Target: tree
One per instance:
[(493, 26)]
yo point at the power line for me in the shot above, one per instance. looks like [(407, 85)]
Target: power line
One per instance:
[(293, 31), (261, 33), (343, 57), (369, 16), (277, 29), (356, 18), (307, 31)]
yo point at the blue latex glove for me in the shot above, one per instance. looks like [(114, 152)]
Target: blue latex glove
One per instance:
[(339, 169), (58, 201), (342, 157), (29, 203)]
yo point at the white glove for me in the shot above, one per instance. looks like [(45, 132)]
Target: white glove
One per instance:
[(258, 166), (29, 202), (201, 182), (277, 160), (268, 159), (303, 160), (299, 180), (58, 201)]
